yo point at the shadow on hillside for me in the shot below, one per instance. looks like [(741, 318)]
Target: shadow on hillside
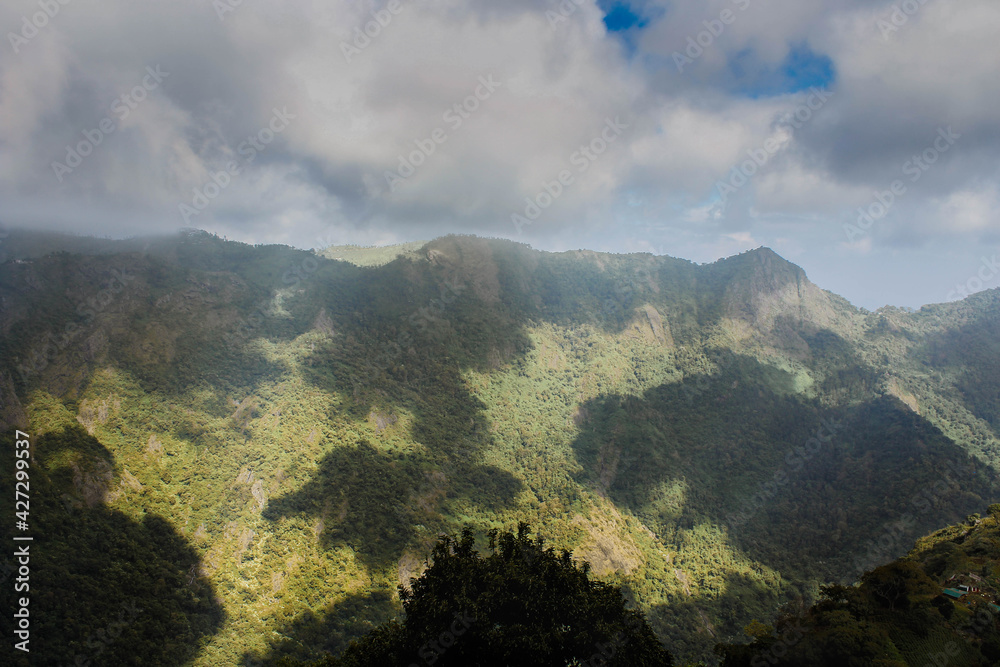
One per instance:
[(803, 488), (468, 305), (692, 626), (364, 499), (172, 328), (400, 337), (400, 340), (104, 588), (969, 356), (313, 636), (224, 353)]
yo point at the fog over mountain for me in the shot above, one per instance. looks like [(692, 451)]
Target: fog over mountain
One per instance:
[(258, 445), (742, 123), (463, 332)]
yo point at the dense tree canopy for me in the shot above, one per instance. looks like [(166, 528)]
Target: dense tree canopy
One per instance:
[(523, 604), (898, 614), (273, 435)]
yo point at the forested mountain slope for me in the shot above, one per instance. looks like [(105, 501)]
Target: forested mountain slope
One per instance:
[(935, 606), (276, 437)]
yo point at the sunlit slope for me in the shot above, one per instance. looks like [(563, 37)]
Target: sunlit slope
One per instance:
[(719, 438)]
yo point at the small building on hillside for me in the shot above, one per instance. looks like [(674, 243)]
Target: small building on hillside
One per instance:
[(953, 593)]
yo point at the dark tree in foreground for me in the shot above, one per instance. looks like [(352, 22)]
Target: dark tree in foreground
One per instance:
[(521, 605)]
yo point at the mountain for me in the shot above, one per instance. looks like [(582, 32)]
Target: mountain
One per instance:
[(936, 606), (258, 444)]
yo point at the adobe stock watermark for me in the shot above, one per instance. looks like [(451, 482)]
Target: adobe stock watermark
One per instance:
[(914, 168), (795, 461), (50, 348), (455, 116), (422, 319), (432, 650), (582, 159), (714, 28), (894, 533), (741, 174), (223, 7), (787, 639), (363, 35), (121, 107), (29, 28), (246, 326), (566, 8), (899, 16), (984, 619), (249, 149), (988, 270)]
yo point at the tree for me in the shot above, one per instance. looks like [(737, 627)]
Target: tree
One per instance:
[(523, 604), (894, 586)]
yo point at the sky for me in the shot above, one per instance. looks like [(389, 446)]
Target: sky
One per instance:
[(857, 139)]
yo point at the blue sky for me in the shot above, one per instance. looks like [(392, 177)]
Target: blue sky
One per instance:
[(621, 17), (800, 70), (695, 129)]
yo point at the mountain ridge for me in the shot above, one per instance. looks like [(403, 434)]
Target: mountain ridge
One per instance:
[(23, 244), (308, 424)]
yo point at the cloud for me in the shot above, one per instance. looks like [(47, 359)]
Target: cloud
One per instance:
[(972, 210), (361, 102)]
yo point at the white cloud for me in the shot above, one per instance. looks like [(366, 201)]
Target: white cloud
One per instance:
[(560, 83), (971, 210)]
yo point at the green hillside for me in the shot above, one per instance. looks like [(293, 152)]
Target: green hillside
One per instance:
[(936, 606), (257, 445)]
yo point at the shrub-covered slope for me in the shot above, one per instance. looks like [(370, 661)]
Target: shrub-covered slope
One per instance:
[(936, 606), (718, 439)]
